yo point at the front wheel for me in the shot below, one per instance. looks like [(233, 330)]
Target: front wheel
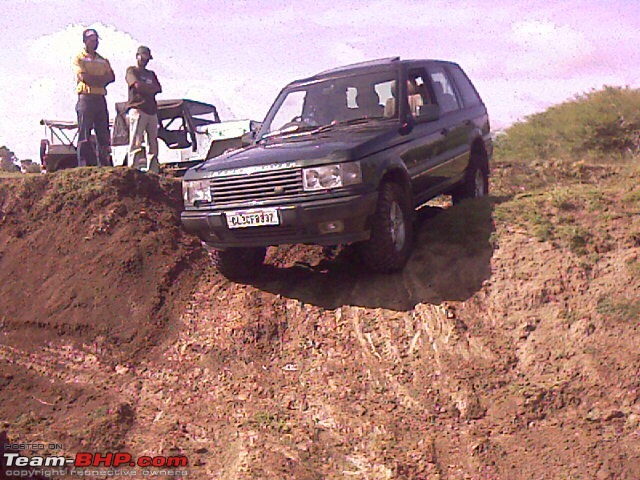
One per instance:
[(238, 263), (389, 247)]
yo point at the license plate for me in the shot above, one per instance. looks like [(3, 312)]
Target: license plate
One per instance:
[(259, 217)]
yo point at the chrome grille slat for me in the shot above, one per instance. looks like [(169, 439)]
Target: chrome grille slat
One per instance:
[(293, 173), (256, 187), (253, 196), (252, 185)]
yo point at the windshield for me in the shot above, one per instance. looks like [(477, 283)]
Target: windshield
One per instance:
[(332, 101), (201, 120)]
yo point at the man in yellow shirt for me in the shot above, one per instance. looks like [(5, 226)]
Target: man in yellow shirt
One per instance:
[(93, 74)]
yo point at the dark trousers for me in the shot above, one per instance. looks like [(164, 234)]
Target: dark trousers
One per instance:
[(93, 114)]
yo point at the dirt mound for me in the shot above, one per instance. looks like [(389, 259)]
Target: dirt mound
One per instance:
[(506, 349), (96, 257)]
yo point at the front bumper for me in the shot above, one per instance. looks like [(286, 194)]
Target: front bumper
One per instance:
[(299, 223)]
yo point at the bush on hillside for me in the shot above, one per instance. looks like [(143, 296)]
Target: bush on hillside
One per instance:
[(33, 168), (600, 122), (6, 165)]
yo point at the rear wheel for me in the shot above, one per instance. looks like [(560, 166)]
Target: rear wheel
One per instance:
[(44, 149), (476, 183), (389, 247), (238, 263)]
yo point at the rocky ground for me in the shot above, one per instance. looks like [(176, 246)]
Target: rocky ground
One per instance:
[(507, 348)]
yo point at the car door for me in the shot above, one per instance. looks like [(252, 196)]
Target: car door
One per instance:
[(425, 150), (456, 125)]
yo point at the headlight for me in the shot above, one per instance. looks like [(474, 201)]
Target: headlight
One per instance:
[(331, 176), (196, 191)]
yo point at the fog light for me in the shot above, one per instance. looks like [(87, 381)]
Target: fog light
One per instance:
[(335, 226)]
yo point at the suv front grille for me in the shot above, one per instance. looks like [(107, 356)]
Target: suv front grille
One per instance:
[(273, 185)]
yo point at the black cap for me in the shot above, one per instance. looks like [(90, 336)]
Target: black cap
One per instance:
[(144, 51), (89, 32)]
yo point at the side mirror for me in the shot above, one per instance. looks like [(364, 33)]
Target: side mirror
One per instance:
[(428, 112), (254, 126), (249, 137)]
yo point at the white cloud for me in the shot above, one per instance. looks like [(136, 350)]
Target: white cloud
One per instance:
[(399, 15), (544, 49), (344, 53), (47, 85)]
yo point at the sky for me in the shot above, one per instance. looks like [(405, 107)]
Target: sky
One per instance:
[(523, 56)]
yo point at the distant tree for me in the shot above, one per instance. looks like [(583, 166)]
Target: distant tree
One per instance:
[(8, 160), (29, 166)]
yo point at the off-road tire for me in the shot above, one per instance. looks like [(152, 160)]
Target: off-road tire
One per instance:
[(238, 263), (389, 247), (475, 184)]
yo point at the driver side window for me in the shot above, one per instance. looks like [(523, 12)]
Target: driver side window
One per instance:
[(289, 111), (417, 92)]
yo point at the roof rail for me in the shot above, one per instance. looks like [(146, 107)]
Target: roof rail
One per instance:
[(368, 63)]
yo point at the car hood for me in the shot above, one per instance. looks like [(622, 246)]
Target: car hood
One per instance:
[(337, 144)]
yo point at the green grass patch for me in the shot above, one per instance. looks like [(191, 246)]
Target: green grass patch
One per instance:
[(576, 238), (4, 174), (574, 216), (597, 123), (563, 198), (469, 225), (624, 310), (540, 225), (633, 197), (633, 267), (271, 421)]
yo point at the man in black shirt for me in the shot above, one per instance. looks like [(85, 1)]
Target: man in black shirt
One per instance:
[(143, 110)]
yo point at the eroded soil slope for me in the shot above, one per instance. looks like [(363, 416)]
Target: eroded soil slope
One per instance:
[(507, 348), (92, 261)]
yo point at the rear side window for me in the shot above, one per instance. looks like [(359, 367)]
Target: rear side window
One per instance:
[(469, 95), (442, 87)]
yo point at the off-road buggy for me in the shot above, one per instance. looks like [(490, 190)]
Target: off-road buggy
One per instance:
[(191, 132), (58, 148)]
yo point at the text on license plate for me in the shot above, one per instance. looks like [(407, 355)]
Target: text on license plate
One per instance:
[(258, 217)]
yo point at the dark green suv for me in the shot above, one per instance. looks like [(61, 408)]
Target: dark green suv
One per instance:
[(345, 156)]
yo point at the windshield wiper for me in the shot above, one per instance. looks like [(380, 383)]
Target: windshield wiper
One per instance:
[(354, 121), (281, 131), (312, 129), (342, 123), (291, 129)]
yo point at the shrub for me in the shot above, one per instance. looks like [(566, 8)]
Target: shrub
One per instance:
[(599, 122), (6, 165)]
